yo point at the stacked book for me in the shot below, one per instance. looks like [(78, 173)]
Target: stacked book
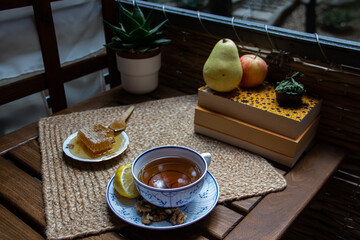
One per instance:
[(253, 120)]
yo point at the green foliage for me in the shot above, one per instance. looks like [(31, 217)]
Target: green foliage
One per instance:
[(290, 86), (335, 17), (135, 33)]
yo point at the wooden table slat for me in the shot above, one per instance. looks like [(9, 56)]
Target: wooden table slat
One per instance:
[(106, 236), (11, 227), (189, 232), (22, 192), (28, 156), (220, 221), (18, 137), (282, 172), (245, 206), (277, 211)]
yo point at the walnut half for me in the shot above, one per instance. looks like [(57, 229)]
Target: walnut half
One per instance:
[(151, 213)]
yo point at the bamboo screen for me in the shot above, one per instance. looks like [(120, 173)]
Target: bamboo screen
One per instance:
[(339, 87)]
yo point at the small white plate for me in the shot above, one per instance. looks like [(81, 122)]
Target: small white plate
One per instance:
[(111, 154), (202, 205)]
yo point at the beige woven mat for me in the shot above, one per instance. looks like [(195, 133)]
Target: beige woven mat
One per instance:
[(74, 192)]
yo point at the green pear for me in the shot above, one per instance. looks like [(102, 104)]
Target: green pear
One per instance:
[(222, 70)]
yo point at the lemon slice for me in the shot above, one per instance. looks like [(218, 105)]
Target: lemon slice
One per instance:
[(124, 182)]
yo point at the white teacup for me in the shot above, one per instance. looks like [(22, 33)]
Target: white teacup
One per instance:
[(170, 197)]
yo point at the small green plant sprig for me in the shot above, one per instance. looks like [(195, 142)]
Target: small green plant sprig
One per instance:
[(336, 18), (290, 86), (134, 33)]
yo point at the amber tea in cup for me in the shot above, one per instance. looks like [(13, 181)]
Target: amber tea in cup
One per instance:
[(169, 172), (179, 172)]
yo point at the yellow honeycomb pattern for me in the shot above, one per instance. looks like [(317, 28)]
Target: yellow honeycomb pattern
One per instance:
[(264, 98)]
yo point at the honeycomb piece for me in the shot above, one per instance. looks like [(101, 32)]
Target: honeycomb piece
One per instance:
[(96, 139)]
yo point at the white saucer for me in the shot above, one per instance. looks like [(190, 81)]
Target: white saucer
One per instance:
[(202, 205), (108, 156)]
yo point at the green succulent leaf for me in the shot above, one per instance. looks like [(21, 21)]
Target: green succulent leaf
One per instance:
[(143, 49), (148, 21), (117, 40), (127, 20), (157, 28), (138, 34), (162, 41), (135, 33), (155, 32), (121, 8), (116, 46), (129, 45), (138, 14), (289, 85), (117, 31)]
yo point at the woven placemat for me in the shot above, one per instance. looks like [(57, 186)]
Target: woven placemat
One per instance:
[(74, 192)]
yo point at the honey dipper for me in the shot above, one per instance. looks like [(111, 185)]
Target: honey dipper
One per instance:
[(120, 124)]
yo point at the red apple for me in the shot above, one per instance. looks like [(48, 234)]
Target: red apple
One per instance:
[(254, 70)]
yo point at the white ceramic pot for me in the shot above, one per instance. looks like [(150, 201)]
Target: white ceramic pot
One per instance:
[(139, 76)]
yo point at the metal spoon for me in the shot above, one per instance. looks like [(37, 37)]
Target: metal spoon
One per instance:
[(120, 124)]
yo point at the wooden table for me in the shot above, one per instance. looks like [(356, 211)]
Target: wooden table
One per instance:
[(267, 217)]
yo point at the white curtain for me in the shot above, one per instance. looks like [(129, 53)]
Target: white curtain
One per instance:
[(79, 32)]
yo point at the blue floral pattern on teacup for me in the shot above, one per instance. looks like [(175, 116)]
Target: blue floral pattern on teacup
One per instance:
[(170, 199), (204, 201)]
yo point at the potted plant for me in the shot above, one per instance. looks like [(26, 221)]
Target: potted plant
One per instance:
[(289, 92), (137, 47)]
